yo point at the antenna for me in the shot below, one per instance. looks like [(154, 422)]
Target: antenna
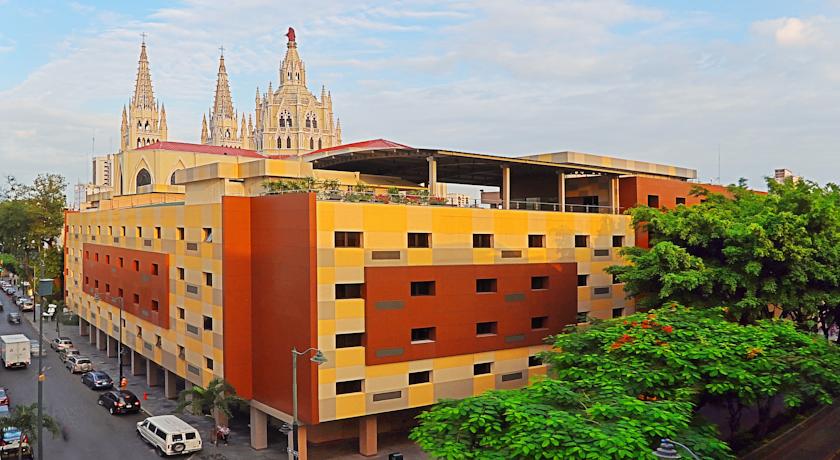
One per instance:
[(92, 149), (718, 176)]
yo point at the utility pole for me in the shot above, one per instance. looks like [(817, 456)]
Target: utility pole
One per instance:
[(44, 289)]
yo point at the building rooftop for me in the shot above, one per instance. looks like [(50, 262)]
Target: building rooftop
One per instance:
[(201, 148)]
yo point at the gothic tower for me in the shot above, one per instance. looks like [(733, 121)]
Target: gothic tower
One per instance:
[(144, 122), (224, 128), (291, 120)]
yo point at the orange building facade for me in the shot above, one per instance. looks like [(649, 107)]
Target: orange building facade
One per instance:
[(355, 252)]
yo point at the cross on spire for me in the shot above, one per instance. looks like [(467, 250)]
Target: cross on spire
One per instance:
[(144, 37), (222, 50)]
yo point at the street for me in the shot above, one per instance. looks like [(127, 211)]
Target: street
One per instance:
[(89, 430)]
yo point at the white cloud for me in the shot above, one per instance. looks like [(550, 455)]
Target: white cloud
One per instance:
[(792, 31)]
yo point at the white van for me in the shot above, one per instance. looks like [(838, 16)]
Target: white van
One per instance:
[(169, 435)]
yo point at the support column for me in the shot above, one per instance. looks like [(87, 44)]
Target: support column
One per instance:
[(259, 429), (561, 191), (617, 195), (92, 334), (432, 183), (112, 347), (152, 373), (137, 363), (84, 328), (368, 435), (170, 384), (505, 187), (101, 340), (613, 194)]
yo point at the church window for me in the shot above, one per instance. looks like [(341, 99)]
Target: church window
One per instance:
[(227, 134), (279, 142), (314, 122), (138, 142), (288, 142), (319, 144), (308, 122), (289, 120), (172, 177), (282, 122), (143, 178), (311, 144), (147, 126), (139, 126)]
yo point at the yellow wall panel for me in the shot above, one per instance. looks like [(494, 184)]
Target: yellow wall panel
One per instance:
[(421, 395), (482, 383)]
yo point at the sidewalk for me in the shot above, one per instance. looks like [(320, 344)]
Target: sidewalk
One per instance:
[(156, 404)]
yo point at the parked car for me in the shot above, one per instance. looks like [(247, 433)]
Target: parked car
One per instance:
[(169, 435), (12, 446), (35, 348), (97, 380), (49, 313), (5, 411), (119, 401), (13, 318), (4, 396), (76, 364), (68, 352), (28, 305), (60, 343)]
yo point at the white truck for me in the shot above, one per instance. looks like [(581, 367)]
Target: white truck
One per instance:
[(14, 350)]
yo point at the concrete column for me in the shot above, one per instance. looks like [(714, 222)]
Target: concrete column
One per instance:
[(505, 187), (113, 345), (84, 328), (93, 333), (137, 363), (617, 195), (613, 195), (101, 340), (432, 183), (561, 191), (259, 429), (368, 435), (152, 373), (170, 384)]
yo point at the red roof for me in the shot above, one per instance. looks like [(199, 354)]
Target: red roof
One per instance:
[(363, 145), (201, 148)]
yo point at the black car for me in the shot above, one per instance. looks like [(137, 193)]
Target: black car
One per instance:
[(13, 318), (97, 380), (119, 402)]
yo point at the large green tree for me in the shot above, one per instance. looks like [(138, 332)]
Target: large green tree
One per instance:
[(617, 387), (751, 251)]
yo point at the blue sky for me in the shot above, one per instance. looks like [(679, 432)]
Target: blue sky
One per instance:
[(652, 80)]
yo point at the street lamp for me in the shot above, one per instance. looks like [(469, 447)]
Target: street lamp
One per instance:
[(119, 301), (318, 358), (45, 288), (666, 450)]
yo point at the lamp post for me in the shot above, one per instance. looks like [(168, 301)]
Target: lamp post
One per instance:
[(119, 301), (666, 450), (45, 287), (319, 359)]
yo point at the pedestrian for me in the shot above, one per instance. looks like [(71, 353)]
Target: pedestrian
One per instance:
[(123, 383)]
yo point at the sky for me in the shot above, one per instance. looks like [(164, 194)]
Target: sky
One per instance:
[(737, 87)]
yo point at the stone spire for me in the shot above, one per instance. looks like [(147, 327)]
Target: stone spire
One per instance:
[(222, 104), (292, 69), (223, 124), (144, 96), (204, 129)]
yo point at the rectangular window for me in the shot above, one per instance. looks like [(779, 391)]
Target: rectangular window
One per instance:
[(581, 241), (653, 201), (348, 340), (350, 386), (157, 232), (536, 241), (416, 378), (539, 282), (87, 255), (96, 257), (486, 328), (348, 239), (422, 288), (110, 230), (615, 279), (179, 233), (618, 241), (348, 291), (136, 299), (107, 288), (107, 259), (138, 232), (158, 341), (208, 363), (120, 293), (618, 312), (181, 313), (180, 273), (155, 269), (539, 322), (208, 323), (534, 360), (485, 285), (482, 368), (207, 235), (208, 279), (155, 305), (582, 317), (419, 240), (582, 280), (122, 230), (139, 331), (137, 265), (96, 284), (423, 334), (482, 240), (182, 352), (122, 262), (680, 200)]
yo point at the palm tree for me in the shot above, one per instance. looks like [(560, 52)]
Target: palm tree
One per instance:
[(25, 418), (216, 400)]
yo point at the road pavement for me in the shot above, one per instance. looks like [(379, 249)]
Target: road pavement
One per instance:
[(89, 431)]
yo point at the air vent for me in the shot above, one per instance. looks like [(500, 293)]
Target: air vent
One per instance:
[(387, 396), (513, 376), (511, 254), (192, 246), (601, 253), (385, 255)]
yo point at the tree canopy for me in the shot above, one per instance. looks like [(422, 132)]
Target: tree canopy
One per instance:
[(618, 386), (751, 251)]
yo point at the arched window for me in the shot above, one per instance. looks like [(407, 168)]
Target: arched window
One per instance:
[(279, 142), (311, 144), (147, 126), (138, 142), (314, 122), (319, 144), (227, 134), (289, 121), (139, 126), (282, 122), (308, 122), (288, 142), (143, 178)]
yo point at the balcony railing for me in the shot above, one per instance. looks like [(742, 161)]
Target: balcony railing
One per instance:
[(425, 199)]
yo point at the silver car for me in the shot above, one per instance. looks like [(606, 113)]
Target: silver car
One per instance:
[(76, 364), (35, 348)]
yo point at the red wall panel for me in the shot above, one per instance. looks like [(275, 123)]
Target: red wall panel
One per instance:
[(236, 278), (455, 308), (102, 264)]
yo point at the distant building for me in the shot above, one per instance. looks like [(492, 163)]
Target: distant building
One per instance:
[(102, 169), (780, 175), (461, 200)]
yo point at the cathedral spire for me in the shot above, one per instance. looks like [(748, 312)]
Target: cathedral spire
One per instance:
[(222, 104), (144, 96), (292, 69)]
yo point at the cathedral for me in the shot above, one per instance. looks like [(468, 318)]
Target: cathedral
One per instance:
[(287, 121)]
